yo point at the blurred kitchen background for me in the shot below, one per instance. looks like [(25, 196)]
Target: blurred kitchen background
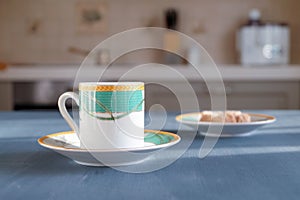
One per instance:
[(40, 40)]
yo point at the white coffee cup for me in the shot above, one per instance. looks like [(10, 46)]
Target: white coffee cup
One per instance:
[(111, 114)]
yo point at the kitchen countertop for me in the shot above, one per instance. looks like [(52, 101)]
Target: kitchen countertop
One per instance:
[(263, 166), (15, 73)]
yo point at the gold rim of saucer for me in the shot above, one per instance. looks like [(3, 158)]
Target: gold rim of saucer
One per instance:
[(170, 143)]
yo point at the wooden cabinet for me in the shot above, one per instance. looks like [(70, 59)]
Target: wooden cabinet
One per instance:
[(263, 95), (239, 95), (272, 87), (7, 98)]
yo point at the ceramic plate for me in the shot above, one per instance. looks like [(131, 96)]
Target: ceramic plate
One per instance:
[(67, 144), (229, 129)]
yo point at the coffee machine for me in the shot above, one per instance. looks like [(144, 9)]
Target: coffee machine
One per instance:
[(263, 43)]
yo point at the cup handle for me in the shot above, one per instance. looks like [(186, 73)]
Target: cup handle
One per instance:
[(63, 110)]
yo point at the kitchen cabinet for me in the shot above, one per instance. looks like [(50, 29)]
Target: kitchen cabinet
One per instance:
[(240, 95), (256, 87), (263, 95), (7, 99)]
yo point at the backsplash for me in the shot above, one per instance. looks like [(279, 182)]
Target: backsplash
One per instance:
[(42, 31)]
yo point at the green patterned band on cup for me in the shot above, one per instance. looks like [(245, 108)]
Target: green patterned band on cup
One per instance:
[(112, 101)]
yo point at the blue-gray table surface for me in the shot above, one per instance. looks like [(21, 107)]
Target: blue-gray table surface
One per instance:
[(263, 166)]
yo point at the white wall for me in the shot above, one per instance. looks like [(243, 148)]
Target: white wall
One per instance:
[(217, 19)]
